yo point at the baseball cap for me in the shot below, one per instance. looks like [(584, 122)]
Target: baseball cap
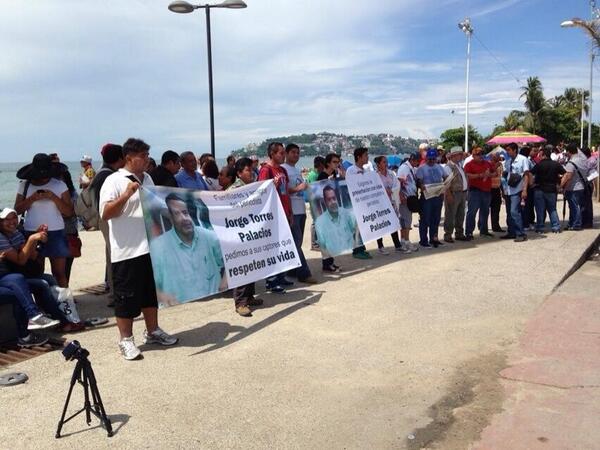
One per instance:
[(6, 212), (86, 158), (431, 154)]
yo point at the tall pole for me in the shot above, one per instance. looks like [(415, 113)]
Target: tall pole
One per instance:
[(582, 117), (592, 57), (469, 32), (210, 83)]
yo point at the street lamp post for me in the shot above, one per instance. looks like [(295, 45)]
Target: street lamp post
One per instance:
[(183, 7), (466, 27)]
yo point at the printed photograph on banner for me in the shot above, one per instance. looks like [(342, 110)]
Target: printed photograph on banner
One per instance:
[(186, 255), (372, 205), (335, 224), (206, 242)]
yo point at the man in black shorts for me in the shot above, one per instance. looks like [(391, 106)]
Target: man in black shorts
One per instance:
[(133, 279)]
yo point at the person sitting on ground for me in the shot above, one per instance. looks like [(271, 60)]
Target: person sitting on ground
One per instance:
[(20, 257), (25, 338), (210, 175), (44, 199)]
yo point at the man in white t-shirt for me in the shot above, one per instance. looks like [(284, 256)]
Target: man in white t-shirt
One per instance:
[(361, 160), (296, 187), (133, 279)]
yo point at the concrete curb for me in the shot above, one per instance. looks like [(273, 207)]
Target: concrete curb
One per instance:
[(584, 257)]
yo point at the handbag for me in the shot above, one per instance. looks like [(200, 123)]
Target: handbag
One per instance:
[(412, 203), (74, 244), (513, 179), (588, 186)]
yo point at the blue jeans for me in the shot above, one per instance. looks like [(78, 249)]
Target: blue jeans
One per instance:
[(545, 201), (575, 200), (7, 297), (478, 201), (17, 283), (429, 219), (297, 228), (515, 218), (40, 287)]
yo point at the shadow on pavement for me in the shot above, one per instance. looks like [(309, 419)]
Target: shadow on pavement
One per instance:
[(223, 334)]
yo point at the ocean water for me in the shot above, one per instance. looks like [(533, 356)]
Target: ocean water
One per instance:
[(9, 180)]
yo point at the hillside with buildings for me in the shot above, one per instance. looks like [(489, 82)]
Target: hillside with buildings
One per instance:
[(324, 142)]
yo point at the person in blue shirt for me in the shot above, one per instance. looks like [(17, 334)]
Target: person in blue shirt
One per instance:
[(431, 209), (188, 177), (516, 180)]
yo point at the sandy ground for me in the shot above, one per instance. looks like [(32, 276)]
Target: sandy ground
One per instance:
[(402, 351)]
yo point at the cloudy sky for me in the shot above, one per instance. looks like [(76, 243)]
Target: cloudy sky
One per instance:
[(77, 74)]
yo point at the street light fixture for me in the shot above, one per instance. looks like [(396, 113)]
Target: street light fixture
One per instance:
[(591, 28), (465, 27), (183, 7)]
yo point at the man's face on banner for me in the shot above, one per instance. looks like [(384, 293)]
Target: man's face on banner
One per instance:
[(330, 201), (183, 223)]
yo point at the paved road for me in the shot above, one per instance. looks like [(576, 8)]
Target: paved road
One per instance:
[(402, 353)]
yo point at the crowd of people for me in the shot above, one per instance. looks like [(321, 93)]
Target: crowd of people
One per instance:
[(469, 187)]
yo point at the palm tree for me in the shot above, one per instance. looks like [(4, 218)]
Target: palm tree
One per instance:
[(534, 103)]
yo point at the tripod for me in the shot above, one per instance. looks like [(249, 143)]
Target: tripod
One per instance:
[(84, 374)]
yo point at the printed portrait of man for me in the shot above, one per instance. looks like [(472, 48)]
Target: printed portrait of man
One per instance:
[(187, 259), (336, 226)]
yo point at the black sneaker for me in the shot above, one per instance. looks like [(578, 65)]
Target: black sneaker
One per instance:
[(508, 236), (522, 238), (32, 340), (277, 289), (331, 269), (286, 282)]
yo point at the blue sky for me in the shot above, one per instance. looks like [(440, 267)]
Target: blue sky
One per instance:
[(76, 75)]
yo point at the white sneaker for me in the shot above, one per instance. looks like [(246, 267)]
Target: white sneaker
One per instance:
[(158, 336), (404, 248), (412, 246), (129, 349), (383, 251)]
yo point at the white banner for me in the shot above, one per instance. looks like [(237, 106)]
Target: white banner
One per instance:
[(255, 237), (205, 242), (373, 209)]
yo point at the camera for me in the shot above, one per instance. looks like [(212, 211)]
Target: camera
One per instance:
[(73, 350)]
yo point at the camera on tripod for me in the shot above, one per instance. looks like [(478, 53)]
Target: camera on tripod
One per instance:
[(73, 350)]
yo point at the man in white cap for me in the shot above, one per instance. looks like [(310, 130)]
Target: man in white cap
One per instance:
[(455, 197), (87, 173)]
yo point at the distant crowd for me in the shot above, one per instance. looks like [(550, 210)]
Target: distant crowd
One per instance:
[(467, 187)]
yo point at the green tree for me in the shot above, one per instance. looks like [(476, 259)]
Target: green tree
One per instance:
[(456, 136), (535, 104)]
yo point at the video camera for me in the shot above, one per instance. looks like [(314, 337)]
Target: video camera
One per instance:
[(73, 350)]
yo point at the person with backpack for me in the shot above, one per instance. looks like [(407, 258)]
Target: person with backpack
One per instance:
[(112, 156)]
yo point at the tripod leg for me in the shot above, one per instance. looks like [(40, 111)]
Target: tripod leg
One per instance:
[(98, 405), (86, 393), (74, 378)]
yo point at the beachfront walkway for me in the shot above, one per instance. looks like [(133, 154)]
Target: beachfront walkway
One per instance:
[(395, 348)]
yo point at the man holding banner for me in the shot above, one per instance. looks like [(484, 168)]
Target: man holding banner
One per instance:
[(361, 158), (133, 278)]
